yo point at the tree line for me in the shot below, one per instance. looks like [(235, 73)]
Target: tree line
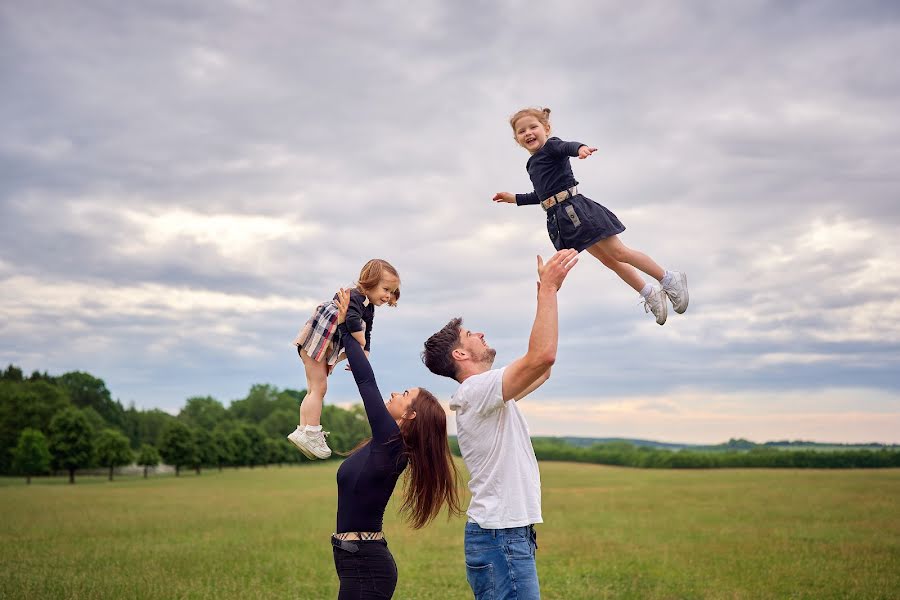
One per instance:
[(736, 455), (69, 422)]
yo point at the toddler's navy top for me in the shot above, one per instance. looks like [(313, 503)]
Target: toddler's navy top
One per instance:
[(549, 170), (366, 479), (360, 315)]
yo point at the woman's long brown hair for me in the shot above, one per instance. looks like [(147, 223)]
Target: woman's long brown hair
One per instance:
[(432, 477)]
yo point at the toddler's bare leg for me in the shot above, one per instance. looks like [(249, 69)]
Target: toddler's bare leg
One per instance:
[(618, 251), (316, 386), (629, 274)]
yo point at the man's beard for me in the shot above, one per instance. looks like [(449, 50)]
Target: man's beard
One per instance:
[(488, 356)]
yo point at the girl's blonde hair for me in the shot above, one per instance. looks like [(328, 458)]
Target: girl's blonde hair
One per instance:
[(371, 274), (541, 114)]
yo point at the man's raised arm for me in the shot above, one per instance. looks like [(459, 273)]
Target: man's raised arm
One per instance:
[(524, 372)]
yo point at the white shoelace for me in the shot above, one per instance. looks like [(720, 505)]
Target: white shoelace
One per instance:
[(319, 440), (648, 306)]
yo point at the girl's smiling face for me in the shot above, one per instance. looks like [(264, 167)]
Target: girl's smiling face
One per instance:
[(383, 292), (531, 134)]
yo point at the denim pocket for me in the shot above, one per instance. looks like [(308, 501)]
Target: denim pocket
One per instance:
[(481, 580), (519, 547)]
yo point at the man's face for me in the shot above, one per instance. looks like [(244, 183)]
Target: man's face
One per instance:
[(475, 347)]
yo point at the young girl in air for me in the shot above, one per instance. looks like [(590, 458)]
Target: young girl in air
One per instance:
[(320, 348), (574, 221)]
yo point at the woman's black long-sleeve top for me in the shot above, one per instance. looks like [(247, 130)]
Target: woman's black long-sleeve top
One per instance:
[(367, 478)]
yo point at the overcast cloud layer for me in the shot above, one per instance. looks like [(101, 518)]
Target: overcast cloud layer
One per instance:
[(181, 185)]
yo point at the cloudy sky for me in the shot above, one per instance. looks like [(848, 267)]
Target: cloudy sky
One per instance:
[(181, 184)]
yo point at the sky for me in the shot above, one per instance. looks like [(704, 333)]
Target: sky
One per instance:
[(182, 183)]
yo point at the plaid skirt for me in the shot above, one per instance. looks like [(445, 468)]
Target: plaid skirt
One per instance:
[(317, 337)]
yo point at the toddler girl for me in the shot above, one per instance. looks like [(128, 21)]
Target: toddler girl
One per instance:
[(574, 221), (320, 348)]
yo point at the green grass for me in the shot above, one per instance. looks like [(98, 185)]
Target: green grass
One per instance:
[(608, 533)]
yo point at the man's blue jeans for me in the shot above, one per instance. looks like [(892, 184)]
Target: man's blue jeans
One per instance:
[(500, 563)]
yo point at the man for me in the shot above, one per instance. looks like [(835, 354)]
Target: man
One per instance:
[(500, 541)]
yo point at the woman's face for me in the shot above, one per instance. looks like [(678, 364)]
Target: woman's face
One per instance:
[(399, 402)]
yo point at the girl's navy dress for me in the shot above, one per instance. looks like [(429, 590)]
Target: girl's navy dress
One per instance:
[(578, 222)]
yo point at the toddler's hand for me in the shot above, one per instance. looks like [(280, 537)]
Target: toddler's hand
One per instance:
[(585, 151), (504, 197)]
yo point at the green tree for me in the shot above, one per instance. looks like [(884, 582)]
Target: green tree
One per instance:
[(205, 412), (112, 450), (86, 390), (26, 404), (31, 455), (177, 445), (12, 373), (206, 450), (71, 441), (257, 452), (239, 444), (280, 422), (348, 427), (150, 426), (221, 444), (147, 457)]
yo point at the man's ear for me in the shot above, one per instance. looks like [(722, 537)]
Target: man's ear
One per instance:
[(459, 354)]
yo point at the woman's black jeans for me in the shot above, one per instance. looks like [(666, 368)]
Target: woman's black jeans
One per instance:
[(366, 569)]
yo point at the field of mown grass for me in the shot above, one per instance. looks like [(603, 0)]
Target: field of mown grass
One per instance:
[(608, 533)]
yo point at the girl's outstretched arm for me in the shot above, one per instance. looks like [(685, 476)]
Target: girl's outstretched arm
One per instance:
[(504, 197)]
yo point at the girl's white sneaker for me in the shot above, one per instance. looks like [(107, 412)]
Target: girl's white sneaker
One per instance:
[(656, 303), (677, 291)]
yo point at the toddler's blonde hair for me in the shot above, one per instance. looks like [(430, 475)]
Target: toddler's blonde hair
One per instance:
[(371, 274), (541, 114)]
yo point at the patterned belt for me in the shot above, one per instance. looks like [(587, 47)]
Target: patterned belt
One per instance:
[(359, 535), (559, 197)]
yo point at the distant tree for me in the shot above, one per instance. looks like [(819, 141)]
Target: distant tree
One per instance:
[(112, 450), (97, 422), (280, 422), (177, 446), (260, 401), (288, 452), (257, 451), (221, 443), (86, 390), (71, 441), (150, 426), (205, 412), (348, 427), (206, 450), (31, 455), (147, 457), (240, 447), (273, 452), (26, 404), (12, 373)]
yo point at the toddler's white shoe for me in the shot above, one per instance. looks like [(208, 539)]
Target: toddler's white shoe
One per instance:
[(677, 291), (310, 443), (656, 303)]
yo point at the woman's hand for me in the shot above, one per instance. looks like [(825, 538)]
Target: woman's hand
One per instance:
[(343, 303), (504, 197)]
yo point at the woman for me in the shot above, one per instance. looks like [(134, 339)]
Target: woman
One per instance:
[(410, 429)]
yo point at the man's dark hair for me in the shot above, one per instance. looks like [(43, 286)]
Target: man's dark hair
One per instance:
[(438, 352)]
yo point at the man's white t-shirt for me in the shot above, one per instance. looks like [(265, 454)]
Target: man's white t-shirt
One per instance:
[(496, 447)]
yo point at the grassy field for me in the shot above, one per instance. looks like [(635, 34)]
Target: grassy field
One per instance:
[(608, 533)]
